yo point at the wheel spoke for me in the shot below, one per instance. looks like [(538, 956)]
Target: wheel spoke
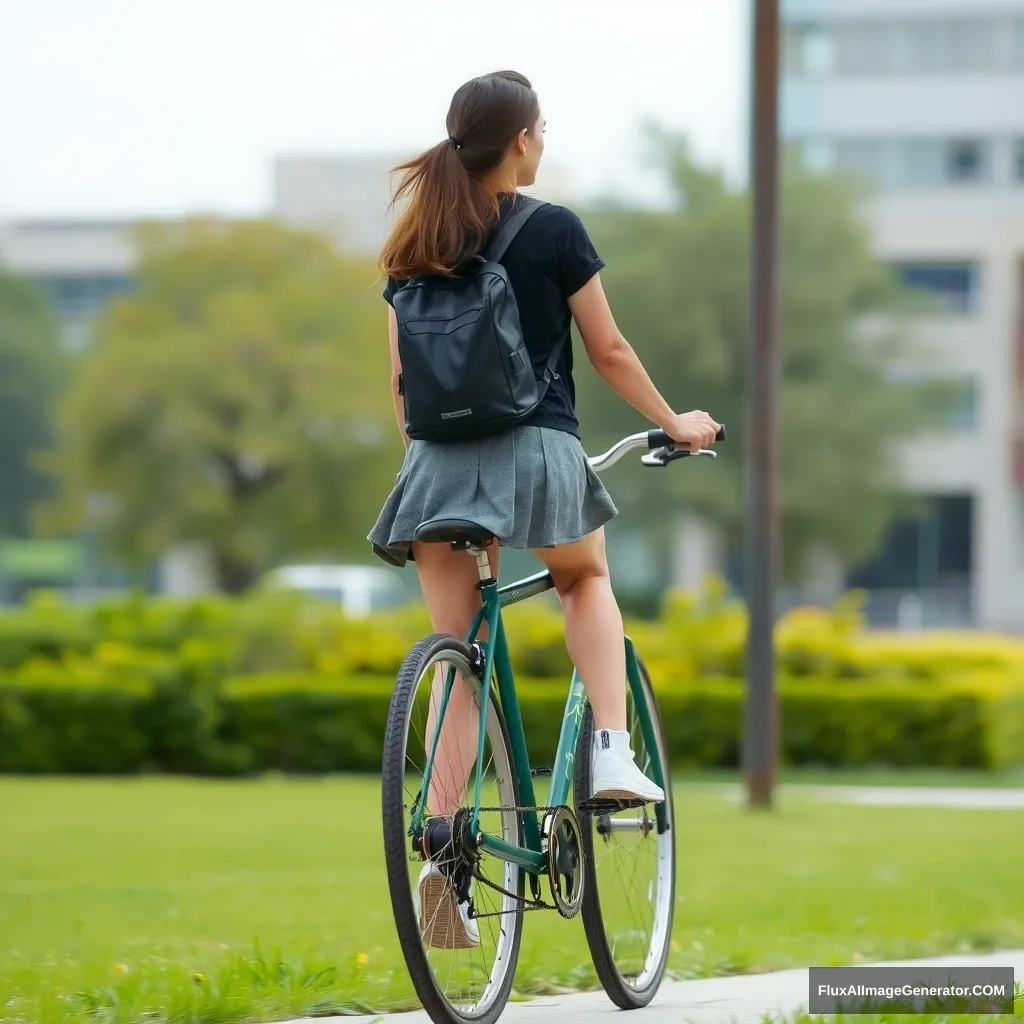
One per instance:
[(628, 918), (471, 982)]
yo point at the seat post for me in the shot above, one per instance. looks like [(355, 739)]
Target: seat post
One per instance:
[(483, 565)]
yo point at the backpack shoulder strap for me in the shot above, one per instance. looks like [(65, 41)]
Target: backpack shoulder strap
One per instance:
[(526, 207), (556, 352)]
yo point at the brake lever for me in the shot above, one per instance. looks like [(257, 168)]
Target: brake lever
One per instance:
[(663, 456)]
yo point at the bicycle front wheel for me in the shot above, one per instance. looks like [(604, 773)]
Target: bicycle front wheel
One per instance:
[(630, 864), (461, 971)]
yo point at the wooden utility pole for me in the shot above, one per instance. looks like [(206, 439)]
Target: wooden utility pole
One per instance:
[(761, 733)]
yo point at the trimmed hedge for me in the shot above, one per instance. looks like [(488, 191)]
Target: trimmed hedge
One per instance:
[(77, 729), (297, 723), (696, 636), (274, 681)]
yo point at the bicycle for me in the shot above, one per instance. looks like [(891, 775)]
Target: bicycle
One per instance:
[(580, 850)]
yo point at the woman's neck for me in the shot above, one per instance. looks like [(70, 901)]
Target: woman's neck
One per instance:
[(501, 179)]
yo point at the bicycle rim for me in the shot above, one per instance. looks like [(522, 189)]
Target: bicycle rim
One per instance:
[(454, 984), (630, 890)]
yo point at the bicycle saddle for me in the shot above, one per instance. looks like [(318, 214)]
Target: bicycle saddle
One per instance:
[(460, 533)]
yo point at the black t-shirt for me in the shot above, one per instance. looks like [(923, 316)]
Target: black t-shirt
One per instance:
[(550, 259)]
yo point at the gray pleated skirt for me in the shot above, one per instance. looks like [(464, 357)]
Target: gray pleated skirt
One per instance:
[(532, 487)]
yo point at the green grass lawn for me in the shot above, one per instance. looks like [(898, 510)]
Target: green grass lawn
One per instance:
[(232, 901)]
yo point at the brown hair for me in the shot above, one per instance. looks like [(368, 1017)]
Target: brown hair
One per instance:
[(451, 210)]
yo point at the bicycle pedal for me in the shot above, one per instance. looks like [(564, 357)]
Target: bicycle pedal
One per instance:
[(598, 807), (538, 772)]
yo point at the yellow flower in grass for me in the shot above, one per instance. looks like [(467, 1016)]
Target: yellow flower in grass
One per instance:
[(198, 978), (121, 968), (362, 960)]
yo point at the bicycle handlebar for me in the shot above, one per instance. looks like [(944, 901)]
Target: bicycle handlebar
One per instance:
[(660, 446), (659, 439)]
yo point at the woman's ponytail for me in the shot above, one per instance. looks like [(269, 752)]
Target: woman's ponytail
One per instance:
[(450, 209)]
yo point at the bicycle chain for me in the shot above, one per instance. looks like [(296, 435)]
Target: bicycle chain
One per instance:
[(527, 904)]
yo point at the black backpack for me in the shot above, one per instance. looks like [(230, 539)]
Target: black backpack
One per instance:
[(466, 372)]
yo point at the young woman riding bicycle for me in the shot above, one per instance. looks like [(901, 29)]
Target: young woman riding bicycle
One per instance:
[(531, 486)]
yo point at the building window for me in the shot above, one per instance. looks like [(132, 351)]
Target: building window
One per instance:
[(969, 46), (963, 413), (807, 50), (77, 333), (915, 46), (961, 395), (1018, 43), (872, 158), (924, 46), (923, 163), (864, 48), (918, 163), (953, 284), (818, 154), (965, 161), (932, 552), (78, 295), (791, 62)]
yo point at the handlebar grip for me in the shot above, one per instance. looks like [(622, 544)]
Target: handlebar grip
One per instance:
[(659, 439)]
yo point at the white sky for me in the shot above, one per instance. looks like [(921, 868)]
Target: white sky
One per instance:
[(162, 107)]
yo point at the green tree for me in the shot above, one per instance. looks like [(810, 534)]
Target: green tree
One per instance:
[(238, 398), (678, 283), (31, 372)]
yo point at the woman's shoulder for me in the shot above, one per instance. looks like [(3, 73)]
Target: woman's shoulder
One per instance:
[(555, 219), (555, 213)]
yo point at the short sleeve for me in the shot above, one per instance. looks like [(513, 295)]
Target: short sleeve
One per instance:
[(389, 291), (578, 260)]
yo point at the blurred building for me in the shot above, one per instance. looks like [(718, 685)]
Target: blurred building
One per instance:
[(82, 264), (926, 97), (347, 196), (79, 264), (344, 196)]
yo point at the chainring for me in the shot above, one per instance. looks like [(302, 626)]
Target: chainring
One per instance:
[(563, 845)]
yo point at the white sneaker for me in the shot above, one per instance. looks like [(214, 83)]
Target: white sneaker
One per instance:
[(617, 777), (444, 922)]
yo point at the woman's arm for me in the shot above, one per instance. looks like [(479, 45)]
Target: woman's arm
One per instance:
[(614, 359), (396, 372)]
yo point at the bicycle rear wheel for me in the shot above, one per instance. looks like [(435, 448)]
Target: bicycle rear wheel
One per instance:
[(629, 894), (455, 981)]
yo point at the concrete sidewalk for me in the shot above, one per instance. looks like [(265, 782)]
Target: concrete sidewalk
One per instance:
[(953, 797), (978, 799), (738, 1000)]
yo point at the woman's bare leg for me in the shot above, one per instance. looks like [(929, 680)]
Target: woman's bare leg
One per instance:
[(448, 580), (594, 637), (593, 624)]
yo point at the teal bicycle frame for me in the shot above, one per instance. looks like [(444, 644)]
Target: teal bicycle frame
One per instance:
[(498, 666)]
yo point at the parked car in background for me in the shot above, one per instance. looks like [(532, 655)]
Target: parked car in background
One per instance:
[(360, 590)]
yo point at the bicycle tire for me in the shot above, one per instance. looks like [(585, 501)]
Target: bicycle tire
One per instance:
[(397, 839), (615, 983)]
